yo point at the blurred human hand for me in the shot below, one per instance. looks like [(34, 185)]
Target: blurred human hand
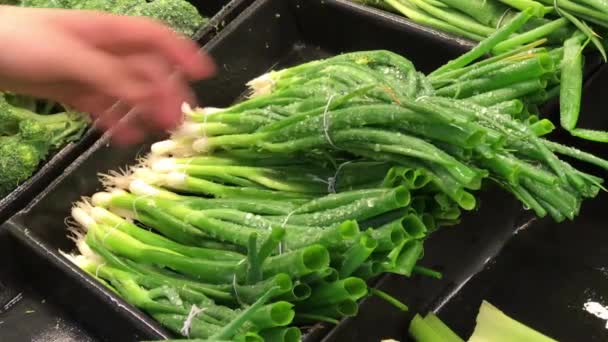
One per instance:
[(92, 61)]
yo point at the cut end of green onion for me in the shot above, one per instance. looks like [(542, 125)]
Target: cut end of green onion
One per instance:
[(87, 253), (331, 275), (348, 308), (397, 235), (261, 85), (140, 188), (116, 179), (176, 179), (315, 257), (164, 147), (282, 313), (301, 291), (206, 111), (82, 261), (163, 165), (187, 129), (283, 281), (83, 218), (349, 230), (186, 108), (99, 213), (413, 226), (148, 176), (292, 334), (102, 199), (467, 201), (356, 287), (402, 196), (368, 242), (201, 145)]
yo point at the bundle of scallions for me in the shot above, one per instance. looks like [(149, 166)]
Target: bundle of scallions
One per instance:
[(477, 20), (563, 29), (272, 214)]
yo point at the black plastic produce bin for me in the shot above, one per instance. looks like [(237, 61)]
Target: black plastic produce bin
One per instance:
[(271, 34), (220, 14)]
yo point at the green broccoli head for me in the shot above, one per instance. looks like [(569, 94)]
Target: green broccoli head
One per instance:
[(21, 153), (96, 5), (37, 135), (46, 3), (49, 131), (27, 137), (18, 161), (66, 127), (9, 118), (91, 5), (182, 16), (10, 2), (124, 6)]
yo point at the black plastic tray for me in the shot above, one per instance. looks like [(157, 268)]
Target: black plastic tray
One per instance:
[(36, 314), (274, 34), (220, 14), (544, 276)]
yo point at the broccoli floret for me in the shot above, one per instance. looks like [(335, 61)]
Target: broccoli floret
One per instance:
[(22, 101), (46, 3), (91, 5), (26, 139), (18, 161), (182, 16), (37, 135), (124, 6), (9, 122), (64, 127)]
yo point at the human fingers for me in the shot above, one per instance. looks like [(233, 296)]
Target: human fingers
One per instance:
[(113, 114), (163, 111), (137, 34), (127, 134)]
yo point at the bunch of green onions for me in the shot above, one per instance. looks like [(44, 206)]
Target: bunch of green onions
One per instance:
[(519, 34), (253, 220), (477, 20)]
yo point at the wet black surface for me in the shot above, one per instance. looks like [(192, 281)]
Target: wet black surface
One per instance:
[(28, 312), (543, 277)]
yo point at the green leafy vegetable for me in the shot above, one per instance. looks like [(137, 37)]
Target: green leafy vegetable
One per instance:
[(28, 138), (181, 15)]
